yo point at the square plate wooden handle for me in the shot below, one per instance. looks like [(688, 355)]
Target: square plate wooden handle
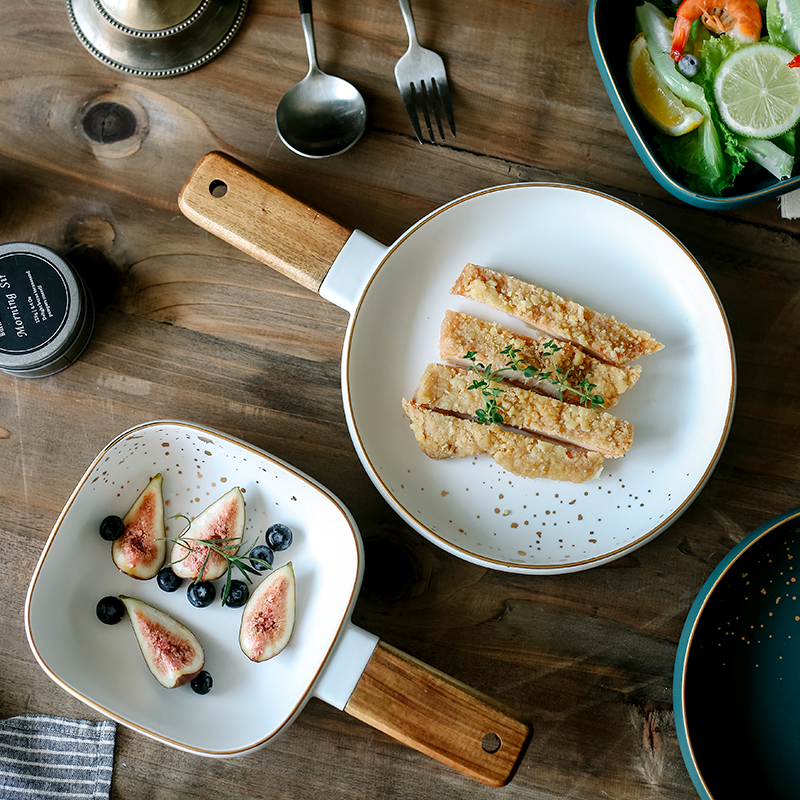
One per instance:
[(439, 716)]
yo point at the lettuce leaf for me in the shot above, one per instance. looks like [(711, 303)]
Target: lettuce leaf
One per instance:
[(715, 51), (687, 156), (778, 33), (787, 142), (775, 29), (783, 23)]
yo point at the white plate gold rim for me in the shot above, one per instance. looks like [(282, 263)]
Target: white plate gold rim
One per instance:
[(607, 255)]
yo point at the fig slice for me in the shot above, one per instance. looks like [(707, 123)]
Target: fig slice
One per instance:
[(171, 651), (268, 616), (223, 522), (141, 550)]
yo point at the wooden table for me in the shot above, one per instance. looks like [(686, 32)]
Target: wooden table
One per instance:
[(91, 162)]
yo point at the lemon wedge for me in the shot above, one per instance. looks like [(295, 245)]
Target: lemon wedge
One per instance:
[(659, 104), (757, 92)]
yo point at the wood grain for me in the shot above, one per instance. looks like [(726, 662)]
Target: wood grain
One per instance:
[(231, 201), (189, 327), (429, 711)]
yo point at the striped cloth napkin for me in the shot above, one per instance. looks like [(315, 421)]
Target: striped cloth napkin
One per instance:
[(53, 758)]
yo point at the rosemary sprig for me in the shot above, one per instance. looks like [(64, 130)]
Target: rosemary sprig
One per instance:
[(488, 380), (242, 561)]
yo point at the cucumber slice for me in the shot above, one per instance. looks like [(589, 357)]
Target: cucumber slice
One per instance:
[(768, 155)]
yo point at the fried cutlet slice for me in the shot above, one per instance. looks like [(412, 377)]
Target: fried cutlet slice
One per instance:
[(462, 333), (598, 334), (443, 436), (446, 388)]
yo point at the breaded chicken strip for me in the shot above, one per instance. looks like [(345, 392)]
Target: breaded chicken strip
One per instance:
[(461, 333), (442, 436), (564, 319), (446, 388)]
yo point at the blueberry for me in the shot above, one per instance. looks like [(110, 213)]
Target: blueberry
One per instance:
[(279, 536), (112, 528), (110, 610), (168, 580), (688, 65), (264, 553), (201, 594), (202, 682), (237, 594)]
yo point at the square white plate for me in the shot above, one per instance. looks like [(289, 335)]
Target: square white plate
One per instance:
[(102, 665)]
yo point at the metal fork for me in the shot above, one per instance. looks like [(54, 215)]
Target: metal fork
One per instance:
[(422, 82)]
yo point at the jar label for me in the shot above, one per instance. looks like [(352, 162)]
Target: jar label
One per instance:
[(34, 302)]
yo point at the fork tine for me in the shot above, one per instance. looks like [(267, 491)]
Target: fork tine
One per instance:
[(423, 99), (426, 108), (443, 92), (408, 95), (432, 96)]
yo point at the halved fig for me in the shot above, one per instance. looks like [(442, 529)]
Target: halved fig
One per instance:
[(141, 550), (268, 617), (171, 651), (223, 523)]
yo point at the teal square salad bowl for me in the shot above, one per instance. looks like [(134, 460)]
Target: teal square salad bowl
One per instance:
[(612, 28)]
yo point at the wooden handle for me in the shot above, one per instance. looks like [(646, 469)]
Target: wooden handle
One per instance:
[(237, 204), (439, 716)]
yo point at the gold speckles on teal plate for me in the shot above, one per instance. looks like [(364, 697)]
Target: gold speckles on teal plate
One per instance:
[(737, 675)]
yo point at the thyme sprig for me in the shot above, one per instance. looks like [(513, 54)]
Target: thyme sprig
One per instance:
[(244, 562), (486, 384), (488, 380), (558, 377)]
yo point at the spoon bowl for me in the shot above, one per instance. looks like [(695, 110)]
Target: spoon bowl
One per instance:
[(321, 115)]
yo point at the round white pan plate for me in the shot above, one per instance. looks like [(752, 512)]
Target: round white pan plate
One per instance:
[(605, 255)]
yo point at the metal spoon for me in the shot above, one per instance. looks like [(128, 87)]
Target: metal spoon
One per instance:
[(321, 115)]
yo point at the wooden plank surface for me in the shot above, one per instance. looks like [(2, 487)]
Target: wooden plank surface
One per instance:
[(91, 163)]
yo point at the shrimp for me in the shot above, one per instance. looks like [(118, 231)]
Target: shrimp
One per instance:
[(739, 18)]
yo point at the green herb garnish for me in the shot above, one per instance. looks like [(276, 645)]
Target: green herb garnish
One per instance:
[(244, 562), (486, 384), (558, 378), (488, 380)]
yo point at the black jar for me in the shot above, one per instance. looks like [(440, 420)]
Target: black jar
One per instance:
[(46, 311)]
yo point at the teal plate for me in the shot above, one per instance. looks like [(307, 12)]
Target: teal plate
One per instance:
[(612, 26), (736, 687)]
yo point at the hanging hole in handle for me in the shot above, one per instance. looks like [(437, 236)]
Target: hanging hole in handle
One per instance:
[(218, 188), (491, 743)]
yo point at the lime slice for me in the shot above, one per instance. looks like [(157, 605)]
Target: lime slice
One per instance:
[(659, 104), (757, 93)]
